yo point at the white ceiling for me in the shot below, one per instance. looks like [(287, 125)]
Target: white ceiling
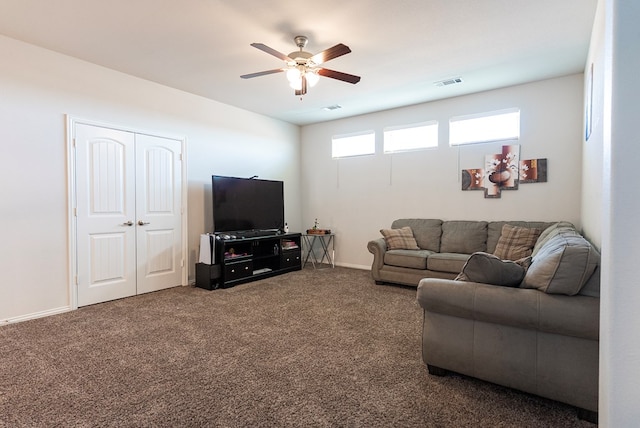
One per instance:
[(399, 47)]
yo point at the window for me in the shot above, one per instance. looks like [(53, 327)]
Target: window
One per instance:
[(353, 145), (485, 127), (413, 137)]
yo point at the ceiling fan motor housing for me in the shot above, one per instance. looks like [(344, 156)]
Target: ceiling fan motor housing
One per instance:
[(300, 41), (300, 57)]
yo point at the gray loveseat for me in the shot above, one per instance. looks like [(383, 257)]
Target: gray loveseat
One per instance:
[(539, 334)]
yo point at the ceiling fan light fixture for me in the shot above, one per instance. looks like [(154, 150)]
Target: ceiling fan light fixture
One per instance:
[(312, 77), (297, 85), (294, 75)]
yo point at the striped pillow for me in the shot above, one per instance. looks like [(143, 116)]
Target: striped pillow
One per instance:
[(400, 239), (516, 242)]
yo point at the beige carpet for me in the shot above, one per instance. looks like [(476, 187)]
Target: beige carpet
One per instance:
[(325, 348)]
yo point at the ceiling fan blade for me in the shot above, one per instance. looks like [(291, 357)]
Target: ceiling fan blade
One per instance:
[(262, 73), (331, 53), (349, 78), (271, 51)]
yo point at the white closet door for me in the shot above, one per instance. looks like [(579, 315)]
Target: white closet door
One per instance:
[(129, 219), (158, 208), (106, 231)]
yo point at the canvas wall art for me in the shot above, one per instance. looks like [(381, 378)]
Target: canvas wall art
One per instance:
[(533, 171), (504, 171)]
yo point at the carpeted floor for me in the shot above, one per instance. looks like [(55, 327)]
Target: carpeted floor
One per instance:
[(314, 348)]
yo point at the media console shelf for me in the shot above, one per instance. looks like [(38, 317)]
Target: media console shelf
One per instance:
[(249, 259)]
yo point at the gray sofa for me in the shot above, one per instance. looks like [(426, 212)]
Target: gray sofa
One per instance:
[(538, 334), (443, 248)]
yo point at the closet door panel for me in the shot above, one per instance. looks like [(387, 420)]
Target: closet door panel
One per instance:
[(106, 232), (159, 217)]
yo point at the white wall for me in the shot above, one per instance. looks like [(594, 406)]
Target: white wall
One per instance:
[(356, 197), (592, 163), (37, 89), (619, 340)]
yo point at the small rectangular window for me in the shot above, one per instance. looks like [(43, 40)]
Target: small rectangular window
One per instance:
[(353, 145), (411, 137), (485, 127)]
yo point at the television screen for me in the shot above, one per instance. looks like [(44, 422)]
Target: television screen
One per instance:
[(245, 204)]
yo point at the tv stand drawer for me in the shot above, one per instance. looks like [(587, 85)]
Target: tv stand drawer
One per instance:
[(238, 270), (290, 259)]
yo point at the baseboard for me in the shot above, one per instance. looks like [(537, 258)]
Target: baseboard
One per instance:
[(588, 415), (353, 266), (35, 315)]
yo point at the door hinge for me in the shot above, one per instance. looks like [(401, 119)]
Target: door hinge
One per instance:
[(75, 279), (75, 212), (182, 263), (180, 156)]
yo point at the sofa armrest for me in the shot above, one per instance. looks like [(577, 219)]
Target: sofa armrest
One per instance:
[(377, 247), (531, 309)]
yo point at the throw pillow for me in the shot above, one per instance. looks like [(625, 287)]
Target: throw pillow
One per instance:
[(399, 239), (489, 269), (516, 242)]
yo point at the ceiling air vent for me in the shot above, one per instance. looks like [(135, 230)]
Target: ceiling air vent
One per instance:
[(333, 107), (447, 82)]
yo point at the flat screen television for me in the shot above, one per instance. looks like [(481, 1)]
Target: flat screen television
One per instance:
[(247, 204)]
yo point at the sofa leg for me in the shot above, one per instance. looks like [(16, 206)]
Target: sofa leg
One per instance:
[(588, 415), (436, 371), (379, 282)]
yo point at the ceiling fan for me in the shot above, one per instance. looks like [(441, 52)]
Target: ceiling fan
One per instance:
[(303, 68)]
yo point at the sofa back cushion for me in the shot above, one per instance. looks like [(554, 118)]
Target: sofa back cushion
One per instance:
[(427, 232), (592, 287), (465, 237), (562, 265), (494, 230), (562, 227)]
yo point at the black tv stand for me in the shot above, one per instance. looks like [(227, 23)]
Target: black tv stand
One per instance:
[(256, 232), (245, 259)]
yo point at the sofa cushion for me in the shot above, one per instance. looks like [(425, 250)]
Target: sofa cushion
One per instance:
[(447, 262), (427, 232), (399, 239), (516, 242), (415, 259), (592, 287), (490, 269), (465, 237), (562, 265), (555, 229)]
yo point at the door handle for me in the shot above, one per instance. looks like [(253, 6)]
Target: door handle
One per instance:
[(128, 223), (142, 223)]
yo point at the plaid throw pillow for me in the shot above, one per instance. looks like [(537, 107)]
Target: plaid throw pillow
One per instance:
[(516, 242), (400, 239)]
